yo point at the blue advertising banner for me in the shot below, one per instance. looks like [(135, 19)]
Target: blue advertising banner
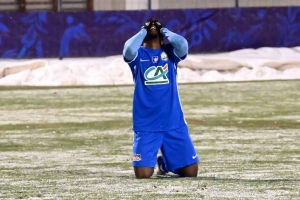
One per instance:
[(103, 33)]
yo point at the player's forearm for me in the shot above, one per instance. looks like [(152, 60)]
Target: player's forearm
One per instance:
[(133, 44), (179, 43)]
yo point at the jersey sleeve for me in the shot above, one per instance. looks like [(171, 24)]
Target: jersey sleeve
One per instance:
[(169, 49), (133, 64), (133, 61), (132, 46)]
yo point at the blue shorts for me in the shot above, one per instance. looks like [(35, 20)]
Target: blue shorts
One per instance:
[(176, 147)]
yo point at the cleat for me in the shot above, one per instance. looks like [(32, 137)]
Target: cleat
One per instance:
[(160, 163)]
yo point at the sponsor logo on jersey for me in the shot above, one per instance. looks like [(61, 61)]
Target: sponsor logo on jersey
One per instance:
[(136, 157), (156, 75), (164, 56)]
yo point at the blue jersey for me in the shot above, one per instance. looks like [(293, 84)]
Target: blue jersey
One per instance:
[(156, 102)]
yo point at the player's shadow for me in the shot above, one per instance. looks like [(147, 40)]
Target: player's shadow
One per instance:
[(204, 178)]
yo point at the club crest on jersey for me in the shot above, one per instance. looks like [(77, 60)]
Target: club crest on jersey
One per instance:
[(164, 56), (156, 75), (155, 59)]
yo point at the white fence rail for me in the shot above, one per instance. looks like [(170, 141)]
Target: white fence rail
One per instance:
[(73, 5)]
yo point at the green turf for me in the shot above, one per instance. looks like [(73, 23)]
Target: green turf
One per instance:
[(75, 143)]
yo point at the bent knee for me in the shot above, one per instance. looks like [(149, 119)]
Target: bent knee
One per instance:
[(190, 174), (189, 171), (142, 176), (143, 172)]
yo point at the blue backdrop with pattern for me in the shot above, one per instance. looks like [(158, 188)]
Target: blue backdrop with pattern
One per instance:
[(103, 33)]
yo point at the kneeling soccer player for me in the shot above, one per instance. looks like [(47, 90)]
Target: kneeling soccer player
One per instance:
[(158, 119)]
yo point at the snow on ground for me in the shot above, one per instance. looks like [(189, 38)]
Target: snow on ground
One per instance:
[(241, 65)]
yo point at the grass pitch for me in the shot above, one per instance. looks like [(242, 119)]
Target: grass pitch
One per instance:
[(75, 143)]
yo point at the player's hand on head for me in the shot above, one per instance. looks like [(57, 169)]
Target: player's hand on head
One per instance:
[(159, 26), (146, 25)]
